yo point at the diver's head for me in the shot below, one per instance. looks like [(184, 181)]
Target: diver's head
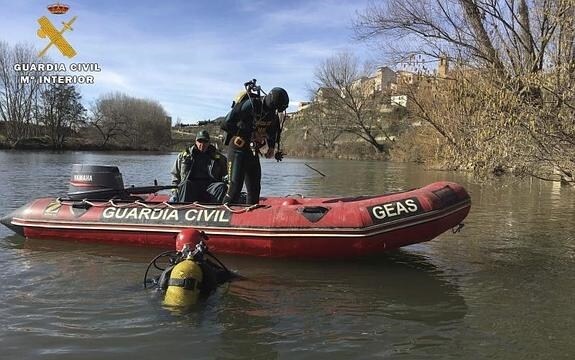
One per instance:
[(190, 237), (277, 99)]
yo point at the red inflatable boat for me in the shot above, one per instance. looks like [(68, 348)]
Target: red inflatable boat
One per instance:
[(277, 227)]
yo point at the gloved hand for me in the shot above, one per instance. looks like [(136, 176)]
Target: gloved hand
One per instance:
[(174, 197), (279, 156)]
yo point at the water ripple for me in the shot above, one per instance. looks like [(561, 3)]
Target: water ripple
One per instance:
[(500, 288)]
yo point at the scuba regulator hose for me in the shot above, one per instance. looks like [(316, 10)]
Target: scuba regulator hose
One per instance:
[(173, 257), (279, 155)]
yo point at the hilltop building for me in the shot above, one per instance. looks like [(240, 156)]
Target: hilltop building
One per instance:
[(388, 83)]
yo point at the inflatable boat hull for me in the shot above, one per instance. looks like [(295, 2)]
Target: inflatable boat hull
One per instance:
[(277, 227)]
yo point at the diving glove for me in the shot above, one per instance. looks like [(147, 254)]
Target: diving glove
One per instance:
[(174, 196), (279, 155)]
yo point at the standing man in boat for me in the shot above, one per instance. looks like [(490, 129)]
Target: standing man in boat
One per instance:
[(252, 124), (198, 172)]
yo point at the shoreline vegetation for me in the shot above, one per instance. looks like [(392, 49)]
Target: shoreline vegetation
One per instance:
[(475, 89), (402, 149), (184, 136)]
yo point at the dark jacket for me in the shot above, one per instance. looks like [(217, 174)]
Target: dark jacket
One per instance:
[(184, 163), (250, 117)]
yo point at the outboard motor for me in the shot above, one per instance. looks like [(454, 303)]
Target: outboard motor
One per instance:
[(95, 182)]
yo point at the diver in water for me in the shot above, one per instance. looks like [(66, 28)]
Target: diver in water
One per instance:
[(252, 123), (193, 272)]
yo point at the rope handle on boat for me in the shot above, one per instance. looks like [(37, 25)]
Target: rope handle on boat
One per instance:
[(249, 208), (164, 205), (457, 228)]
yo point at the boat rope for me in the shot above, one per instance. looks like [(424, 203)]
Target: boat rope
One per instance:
[(164, 204), (249, 208)]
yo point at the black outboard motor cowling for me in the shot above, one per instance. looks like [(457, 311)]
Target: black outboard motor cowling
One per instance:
[(95, 182)]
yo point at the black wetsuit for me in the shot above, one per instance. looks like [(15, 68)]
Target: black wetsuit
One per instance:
[(249, 122)]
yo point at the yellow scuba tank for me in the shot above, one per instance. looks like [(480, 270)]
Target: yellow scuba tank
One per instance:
[(241, 96), (189, 274), (184, 284)]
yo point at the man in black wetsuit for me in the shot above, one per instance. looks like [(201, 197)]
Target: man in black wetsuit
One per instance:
[(198, 172), (252, 123)]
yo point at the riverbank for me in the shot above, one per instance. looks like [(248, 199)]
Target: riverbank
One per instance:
[(183, 136), (73, 144), (406, 149)]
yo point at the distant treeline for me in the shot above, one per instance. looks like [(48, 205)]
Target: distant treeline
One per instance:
[(39, 115)]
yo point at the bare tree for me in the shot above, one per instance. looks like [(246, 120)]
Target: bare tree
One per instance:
[(111, 117), (132, 122), (18, 91), (508, 101), (326, 125), (153, 127), (344, 99), (60, 111)]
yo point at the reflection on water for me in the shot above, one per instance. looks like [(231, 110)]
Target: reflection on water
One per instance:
[(323, 306), (320, 306), (500, 289)]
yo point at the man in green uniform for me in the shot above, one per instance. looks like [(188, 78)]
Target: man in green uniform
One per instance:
[(198, 172)]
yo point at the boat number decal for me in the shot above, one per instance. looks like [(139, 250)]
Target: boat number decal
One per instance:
[(395, 210), (52, 208), (207, 217)]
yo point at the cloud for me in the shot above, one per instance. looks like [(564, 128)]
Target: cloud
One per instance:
[(112, 79), (316, 14), (193, 57)]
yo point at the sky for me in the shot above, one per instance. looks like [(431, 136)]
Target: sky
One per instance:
[(193, 56)]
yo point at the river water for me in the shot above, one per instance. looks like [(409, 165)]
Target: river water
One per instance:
[(503, 288)]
